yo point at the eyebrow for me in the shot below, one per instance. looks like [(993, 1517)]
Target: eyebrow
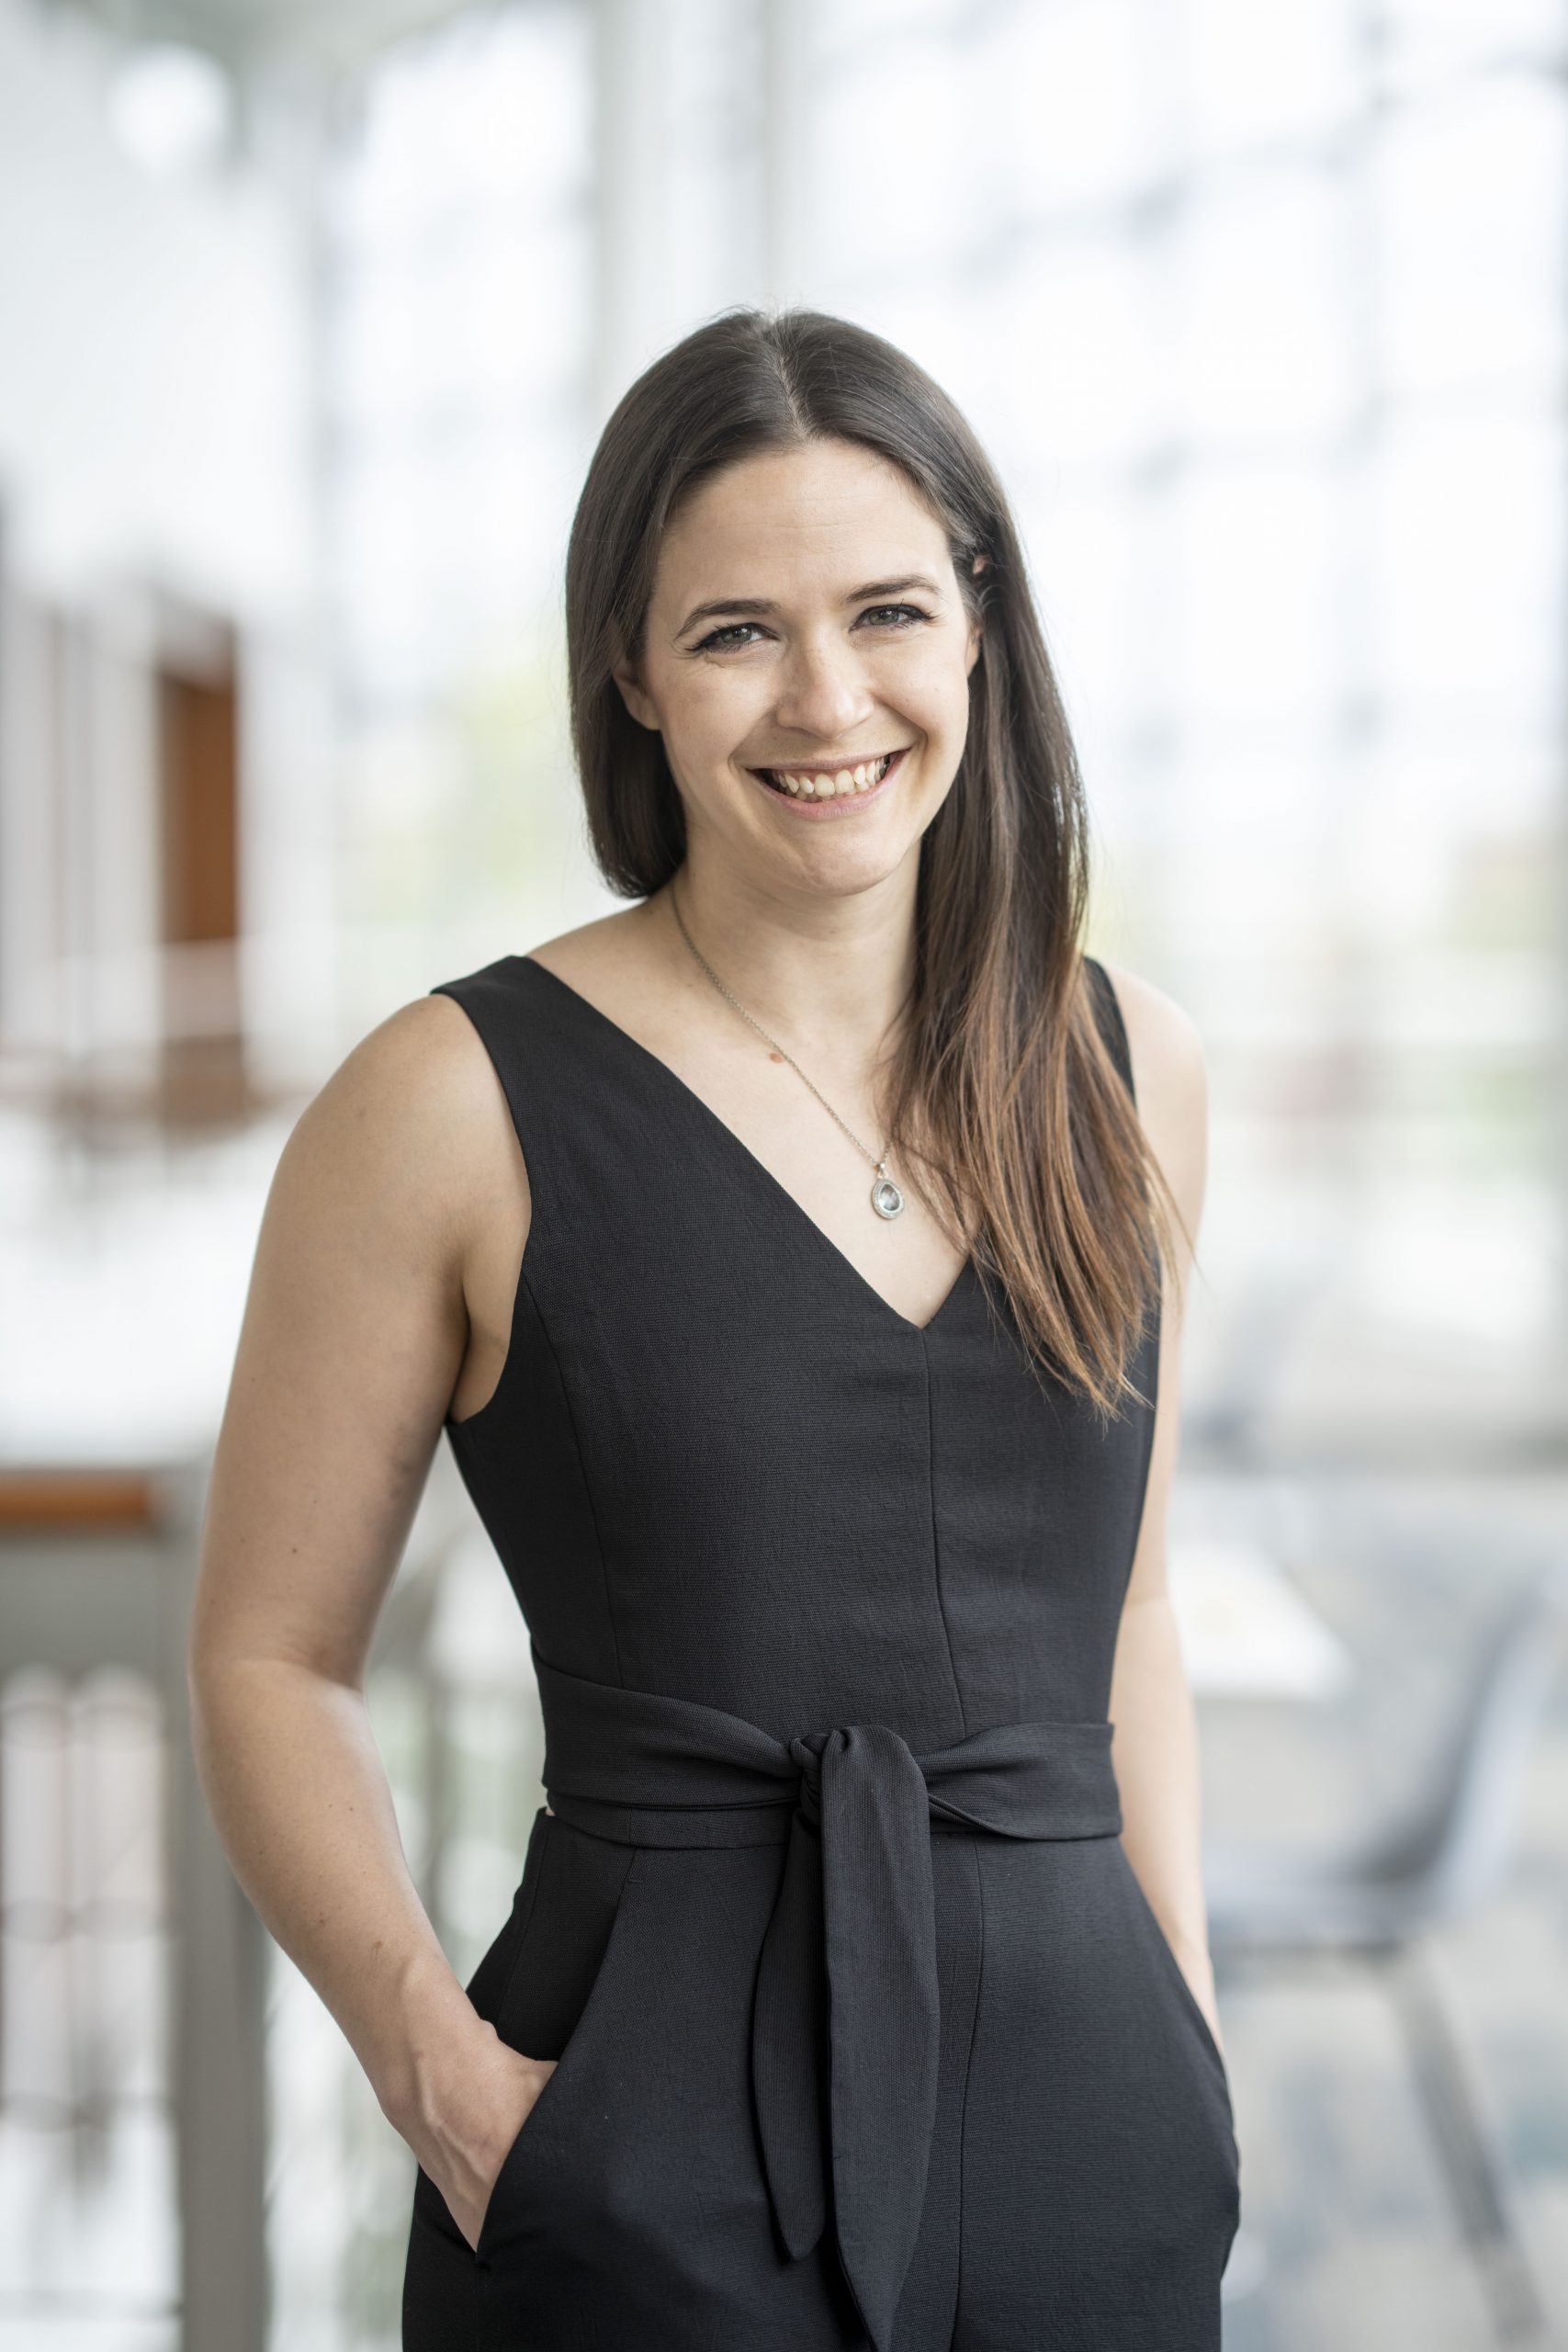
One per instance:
[(762, 604)]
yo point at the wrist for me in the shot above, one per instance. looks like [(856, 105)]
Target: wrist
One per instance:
[(428, 2029)]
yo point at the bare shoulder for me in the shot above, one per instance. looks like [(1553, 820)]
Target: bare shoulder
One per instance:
[(412, 1128), (354, 1332), (1163, 1037), (1170, 1079)]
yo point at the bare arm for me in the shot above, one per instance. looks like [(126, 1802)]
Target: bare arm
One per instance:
[(1155, 1739), (356, 1328)]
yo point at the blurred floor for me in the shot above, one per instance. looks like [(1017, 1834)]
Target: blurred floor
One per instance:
[(1348, 2242)]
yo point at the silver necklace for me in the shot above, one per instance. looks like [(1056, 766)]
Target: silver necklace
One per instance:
[(885, 1197)]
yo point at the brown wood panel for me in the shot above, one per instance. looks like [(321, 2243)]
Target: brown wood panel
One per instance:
[(63, 1500), (199, 725)]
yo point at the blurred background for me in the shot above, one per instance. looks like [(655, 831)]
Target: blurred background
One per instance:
[(310, 318)]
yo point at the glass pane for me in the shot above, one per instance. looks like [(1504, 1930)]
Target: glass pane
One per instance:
[(1258, 73), (1079, 378), (1086, 562), (497, 107), (716, 156), (88, 2220), (1060, 118), (1426, 38), (1265, 281), (909, 223), (1258, 596), (1468, 512), (1471, 195), (851, 38)]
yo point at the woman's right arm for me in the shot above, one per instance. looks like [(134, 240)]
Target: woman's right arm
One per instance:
[(401, 1173)]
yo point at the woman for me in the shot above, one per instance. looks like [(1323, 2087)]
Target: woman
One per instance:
[(794, 1261)]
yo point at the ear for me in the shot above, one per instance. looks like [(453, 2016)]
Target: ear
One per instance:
[(979, 564), (625, 677)]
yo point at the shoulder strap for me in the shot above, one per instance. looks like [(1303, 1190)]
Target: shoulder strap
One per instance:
[(492, 998), (592, 1123), (1112, 1028), (526, 1050)]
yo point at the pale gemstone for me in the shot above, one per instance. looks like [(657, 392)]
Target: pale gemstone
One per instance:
[(885, 1197)]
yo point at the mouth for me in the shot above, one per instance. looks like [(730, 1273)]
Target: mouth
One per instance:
[(839, 788)]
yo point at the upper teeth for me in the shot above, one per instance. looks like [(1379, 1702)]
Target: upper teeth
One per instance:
[(822, 787)]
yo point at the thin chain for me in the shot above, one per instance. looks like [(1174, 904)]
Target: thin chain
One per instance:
[(880, 1165)]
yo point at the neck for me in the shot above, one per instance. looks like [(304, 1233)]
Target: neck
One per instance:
[(826, 976)]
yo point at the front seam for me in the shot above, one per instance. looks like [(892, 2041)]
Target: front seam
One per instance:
[(964, 2104), (936, 1538)]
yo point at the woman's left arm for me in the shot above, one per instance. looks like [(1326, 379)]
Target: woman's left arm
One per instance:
[(1155, 1742)]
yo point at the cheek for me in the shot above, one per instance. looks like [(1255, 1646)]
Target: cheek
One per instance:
[(714, 709), (933, 691)]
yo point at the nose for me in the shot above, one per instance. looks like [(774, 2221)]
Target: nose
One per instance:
[(823, 692)]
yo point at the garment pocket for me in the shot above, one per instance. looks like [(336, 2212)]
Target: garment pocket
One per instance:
[(556, 1998), (1174, 1971), (487, 1989)]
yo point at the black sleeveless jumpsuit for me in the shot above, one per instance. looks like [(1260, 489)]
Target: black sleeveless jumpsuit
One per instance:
[(867, 2034)]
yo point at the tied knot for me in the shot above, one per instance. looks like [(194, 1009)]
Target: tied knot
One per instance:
[(881, 1761), (806, 1754), (848, 1983)]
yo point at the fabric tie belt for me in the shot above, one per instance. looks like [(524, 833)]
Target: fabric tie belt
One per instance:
[(848, 1968)]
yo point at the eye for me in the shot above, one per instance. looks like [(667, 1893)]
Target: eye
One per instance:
[(914, 612), (715, 641), (729, 638)]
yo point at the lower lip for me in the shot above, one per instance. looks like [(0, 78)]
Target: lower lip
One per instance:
[(842, 804)]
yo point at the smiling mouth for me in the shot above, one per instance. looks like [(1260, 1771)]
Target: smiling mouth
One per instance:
[(828, 783)]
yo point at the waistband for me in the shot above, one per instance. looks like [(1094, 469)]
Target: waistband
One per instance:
[(845, 2027)]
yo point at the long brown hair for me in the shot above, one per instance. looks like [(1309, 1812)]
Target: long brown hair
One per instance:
[(1034, 1154)]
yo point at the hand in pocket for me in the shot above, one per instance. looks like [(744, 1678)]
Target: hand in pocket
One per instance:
[(474, 2151)]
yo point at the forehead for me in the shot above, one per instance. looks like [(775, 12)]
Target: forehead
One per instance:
[(827, 507)]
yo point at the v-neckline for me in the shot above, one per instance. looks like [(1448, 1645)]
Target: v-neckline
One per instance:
[(778, 1191)]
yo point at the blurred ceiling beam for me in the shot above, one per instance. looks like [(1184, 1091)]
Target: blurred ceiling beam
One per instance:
[(254, 37), (635, 312)]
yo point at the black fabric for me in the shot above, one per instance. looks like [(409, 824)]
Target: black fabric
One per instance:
[(850, 1956), (867, 2032)]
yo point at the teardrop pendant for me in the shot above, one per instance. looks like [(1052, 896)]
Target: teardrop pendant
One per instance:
[(885, 1197)]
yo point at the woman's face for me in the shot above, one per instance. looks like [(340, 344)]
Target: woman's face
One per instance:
[(806, 621)]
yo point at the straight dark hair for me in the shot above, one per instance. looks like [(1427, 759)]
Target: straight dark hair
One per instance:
[(1035, 1160)]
